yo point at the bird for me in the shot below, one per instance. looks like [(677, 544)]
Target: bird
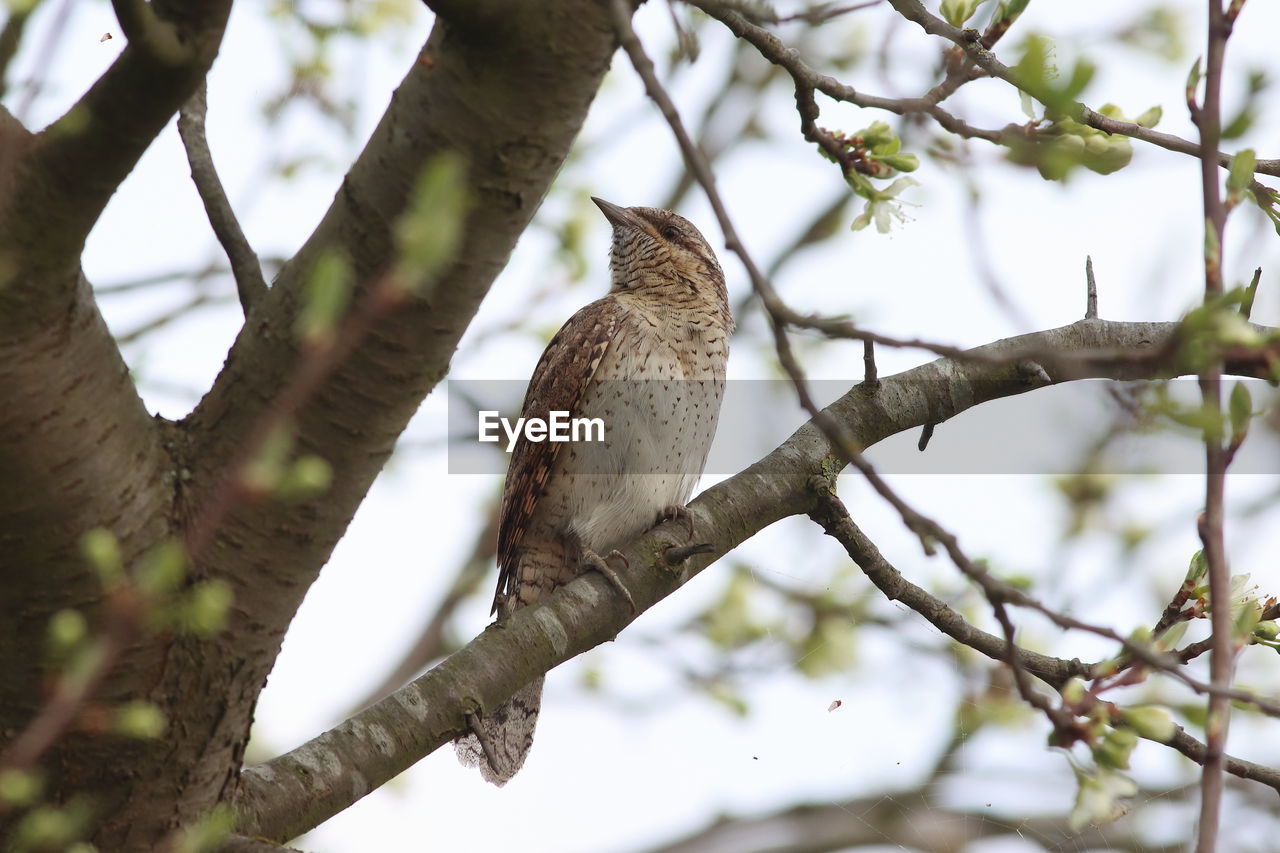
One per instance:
[(648, 359)]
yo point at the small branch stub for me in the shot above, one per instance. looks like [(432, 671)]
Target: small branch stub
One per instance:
[(1091, 290)]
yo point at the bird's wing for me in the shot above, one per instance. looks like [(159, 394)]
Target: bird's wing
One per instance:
[(562, 376)]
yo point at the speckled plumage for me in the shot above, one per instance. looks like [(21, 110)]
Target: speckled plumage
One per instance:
[(649, 360)]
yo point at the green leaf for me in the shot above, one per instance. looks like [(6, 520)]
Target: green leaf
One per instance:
[(67, 630), (1106, 153), (1240, 407), (1033, 71), (1009, 10), (957, 12), (429, 232), (1115, 748), (263, 473), (139, 719), (1150, 722), (1150, 118), (1250, 294), (1081, 75), (206, 834), (306, 478), (204, 613), (1240, 172), (51, 827), (726, 695), (902, 162), (1098, 796), (1193, 79), (100, 548), (162, 568), (325, 298), (19, 788)]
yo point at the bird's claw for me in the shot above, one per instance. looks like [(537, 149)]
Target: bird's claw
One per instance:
[(595, 562), (676, 512)]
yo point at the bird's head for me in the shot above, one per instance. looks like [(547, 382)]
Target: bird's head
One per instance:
[(655, 248)]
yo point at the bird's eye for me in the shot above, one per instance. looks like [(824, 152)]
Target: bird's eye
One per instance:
[(669, 233)]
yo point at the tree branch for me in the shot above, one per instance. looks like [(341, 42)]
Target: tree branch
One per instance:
[(915, 12), (11, 37), (903, 820), (831, 514), (536, 76), (296, 791), (245, 266), (849, 449), (1208, 119), (65, 178)]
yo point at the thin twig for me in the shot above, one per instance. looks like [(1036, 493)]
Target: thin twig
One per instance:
[(915, 12), (774, 50), (807, 80), (270, 264), (197, 300), (822, 14), (835, 520), (870, 373), (44, 59), (1091, 290), (1222, 655), (929, 531), (11, 37), (245, 266)]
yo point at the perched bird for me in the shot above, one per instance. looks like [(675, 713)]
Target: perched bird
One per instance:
[(648, 359)]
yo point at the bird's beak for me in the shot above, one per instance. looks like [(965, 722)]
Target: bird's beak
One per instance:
[(617, 216)]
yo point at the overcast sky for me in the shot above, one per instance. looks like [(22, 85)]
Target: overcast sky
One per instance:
[(648, 761)]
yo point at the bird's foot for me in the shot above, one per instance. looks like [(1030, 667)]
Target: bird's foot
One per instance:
[(482, 737), (592, 560), (676, 512)]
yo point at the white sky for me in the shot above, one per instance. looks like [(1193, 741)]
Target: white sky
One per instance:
[(600, 777)]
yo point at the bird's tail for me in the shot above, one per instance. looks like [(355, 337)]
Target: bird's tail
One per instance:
[(505, 736)]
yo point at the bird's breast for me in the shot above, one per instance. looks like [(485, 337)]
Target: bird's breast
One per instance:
[(658, 397)]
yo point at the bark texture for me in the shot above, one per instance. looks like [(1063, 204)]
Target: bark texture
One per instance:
[(293, 792), (508, 88)]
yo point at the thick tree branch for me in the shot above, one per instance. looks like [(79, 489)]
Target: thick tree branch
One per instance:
[(70, 461), (245, 267), (510, 101), (62, 182), (534, 98), (296, 791)]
